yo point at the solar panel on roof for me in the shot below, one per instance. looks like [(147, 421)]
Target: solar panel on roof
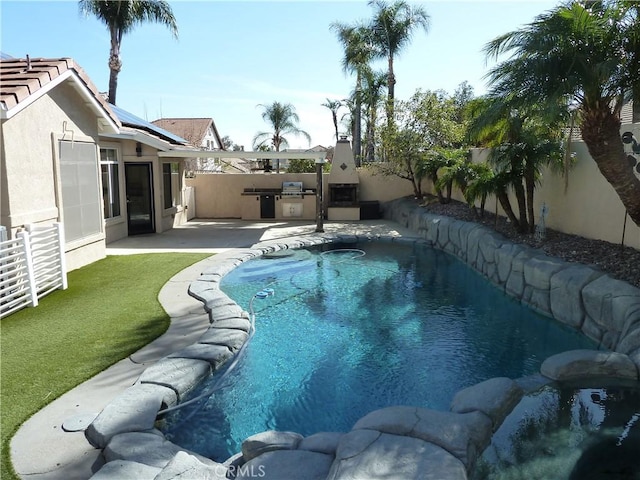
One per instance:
[(131, 120)]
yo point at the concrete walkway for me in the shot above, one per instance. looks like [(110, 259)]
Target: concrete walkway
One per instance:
[(42, 449)]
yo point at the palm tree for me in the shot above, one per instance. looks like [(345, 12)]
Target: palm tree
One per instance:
[(392, 27), (522, 142), (120, 17), (587, 54), (358, 52), (283, 119), (334, 106), (372, 86), (348, 118), (475, 181)]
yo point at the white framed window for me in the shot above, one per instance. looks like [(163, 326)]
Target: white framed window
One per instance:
[(171, 184), (110, 171)]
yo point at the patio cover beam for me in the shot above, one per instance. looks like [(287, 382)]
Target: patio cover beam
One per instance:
[(242, 154)]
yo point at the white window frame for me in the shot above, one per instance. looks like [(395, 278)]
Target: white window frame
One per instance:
[(175, 186), (108, 216)]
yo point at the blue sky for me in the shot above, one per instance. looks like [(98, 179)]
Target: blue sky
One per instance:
[(233, 55)]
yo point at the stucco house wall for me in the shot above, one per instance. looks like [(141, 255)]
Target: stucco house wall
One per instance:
[(29, 139), (164, 219), (54, 123), (30, 144)]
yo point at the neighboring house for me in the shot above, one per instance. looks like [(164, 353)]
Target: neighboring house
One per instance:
[(199, 132), (203, 134), (67, 156)]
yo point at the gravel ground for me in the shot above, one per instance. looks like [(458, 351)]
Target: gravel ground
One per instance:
[(619, 262)]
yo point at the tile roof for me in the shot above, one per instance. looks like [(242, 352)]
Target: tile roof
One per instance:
[(192, 129), (23, 78)]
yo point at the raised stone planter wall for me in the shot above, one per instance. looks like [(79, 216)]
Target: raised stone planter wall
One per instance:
[(605, 309)]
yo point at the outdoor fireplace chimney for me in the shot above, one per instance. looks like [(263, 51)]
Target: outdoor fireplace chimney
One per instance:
[(343, 184)]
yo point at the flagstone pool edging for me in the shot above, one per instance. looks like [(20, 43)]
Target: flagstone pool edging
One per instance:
[(433, 444)]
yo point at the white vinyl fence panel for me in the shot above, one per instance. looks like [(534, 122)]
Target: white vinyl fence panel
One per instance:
[(31, 266)]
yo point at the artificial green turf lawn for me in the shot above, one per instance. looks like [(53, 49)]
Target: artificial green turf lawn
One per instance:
[(109, 311)]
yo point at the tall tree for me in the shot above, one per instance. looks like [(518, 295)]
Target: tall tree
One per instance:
[(421, 125), (121, 17), (334, 106), (372, 87), (283, 120), (348, 118), (586, 54), (393, 26), (358, 48), (227, 143)]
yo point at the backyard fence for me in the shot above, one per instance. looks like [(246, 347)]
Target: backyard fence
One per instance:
[(31, 266)]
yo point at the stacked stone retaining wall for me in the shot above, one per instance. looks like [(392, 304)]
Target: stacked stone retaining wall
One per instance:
[(605, 309)]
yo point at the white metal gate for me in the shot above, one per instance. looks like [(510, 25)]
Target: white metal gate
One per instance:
[(31, 266)]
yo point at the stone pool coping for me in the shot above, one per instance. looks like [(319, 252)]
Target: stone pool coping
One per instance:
[(426, 443)]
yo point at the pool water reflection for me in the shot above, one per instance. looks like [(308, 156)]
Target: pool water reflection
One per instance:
[(346, 333), (569, 432)]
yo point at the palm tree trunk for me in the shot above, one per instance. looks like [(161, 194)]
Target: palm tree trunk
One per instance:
[(115, 64), (503, 198), (601, 132), (357, 134), (522, 224), (370, 153), (433, 175), (391, 82), (529, 182), (113, 85)]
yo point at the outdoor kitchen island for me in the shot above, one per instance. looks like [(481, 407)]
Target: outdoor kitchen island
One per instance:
[(291, 202)]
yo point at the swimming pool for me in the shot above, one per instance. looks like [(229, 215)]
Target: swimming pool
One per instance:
[(585, 429), (346, 333)]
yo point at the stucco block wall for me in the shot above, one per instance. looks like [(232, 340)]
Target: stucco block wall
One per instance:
[(220, 195), (601, 213), (383, 188), (590, 207)]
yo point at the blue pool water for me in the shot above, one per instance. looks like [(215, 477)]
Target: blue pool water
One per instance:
[(581, 430), (346, 333)]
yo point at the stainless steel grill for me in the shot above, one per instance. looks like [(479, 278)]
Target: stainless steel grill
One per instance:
[(292, 189)]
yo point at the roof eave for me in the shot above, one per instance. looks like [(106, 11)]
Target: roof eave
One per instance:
[(105, 122), (142, 137)]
